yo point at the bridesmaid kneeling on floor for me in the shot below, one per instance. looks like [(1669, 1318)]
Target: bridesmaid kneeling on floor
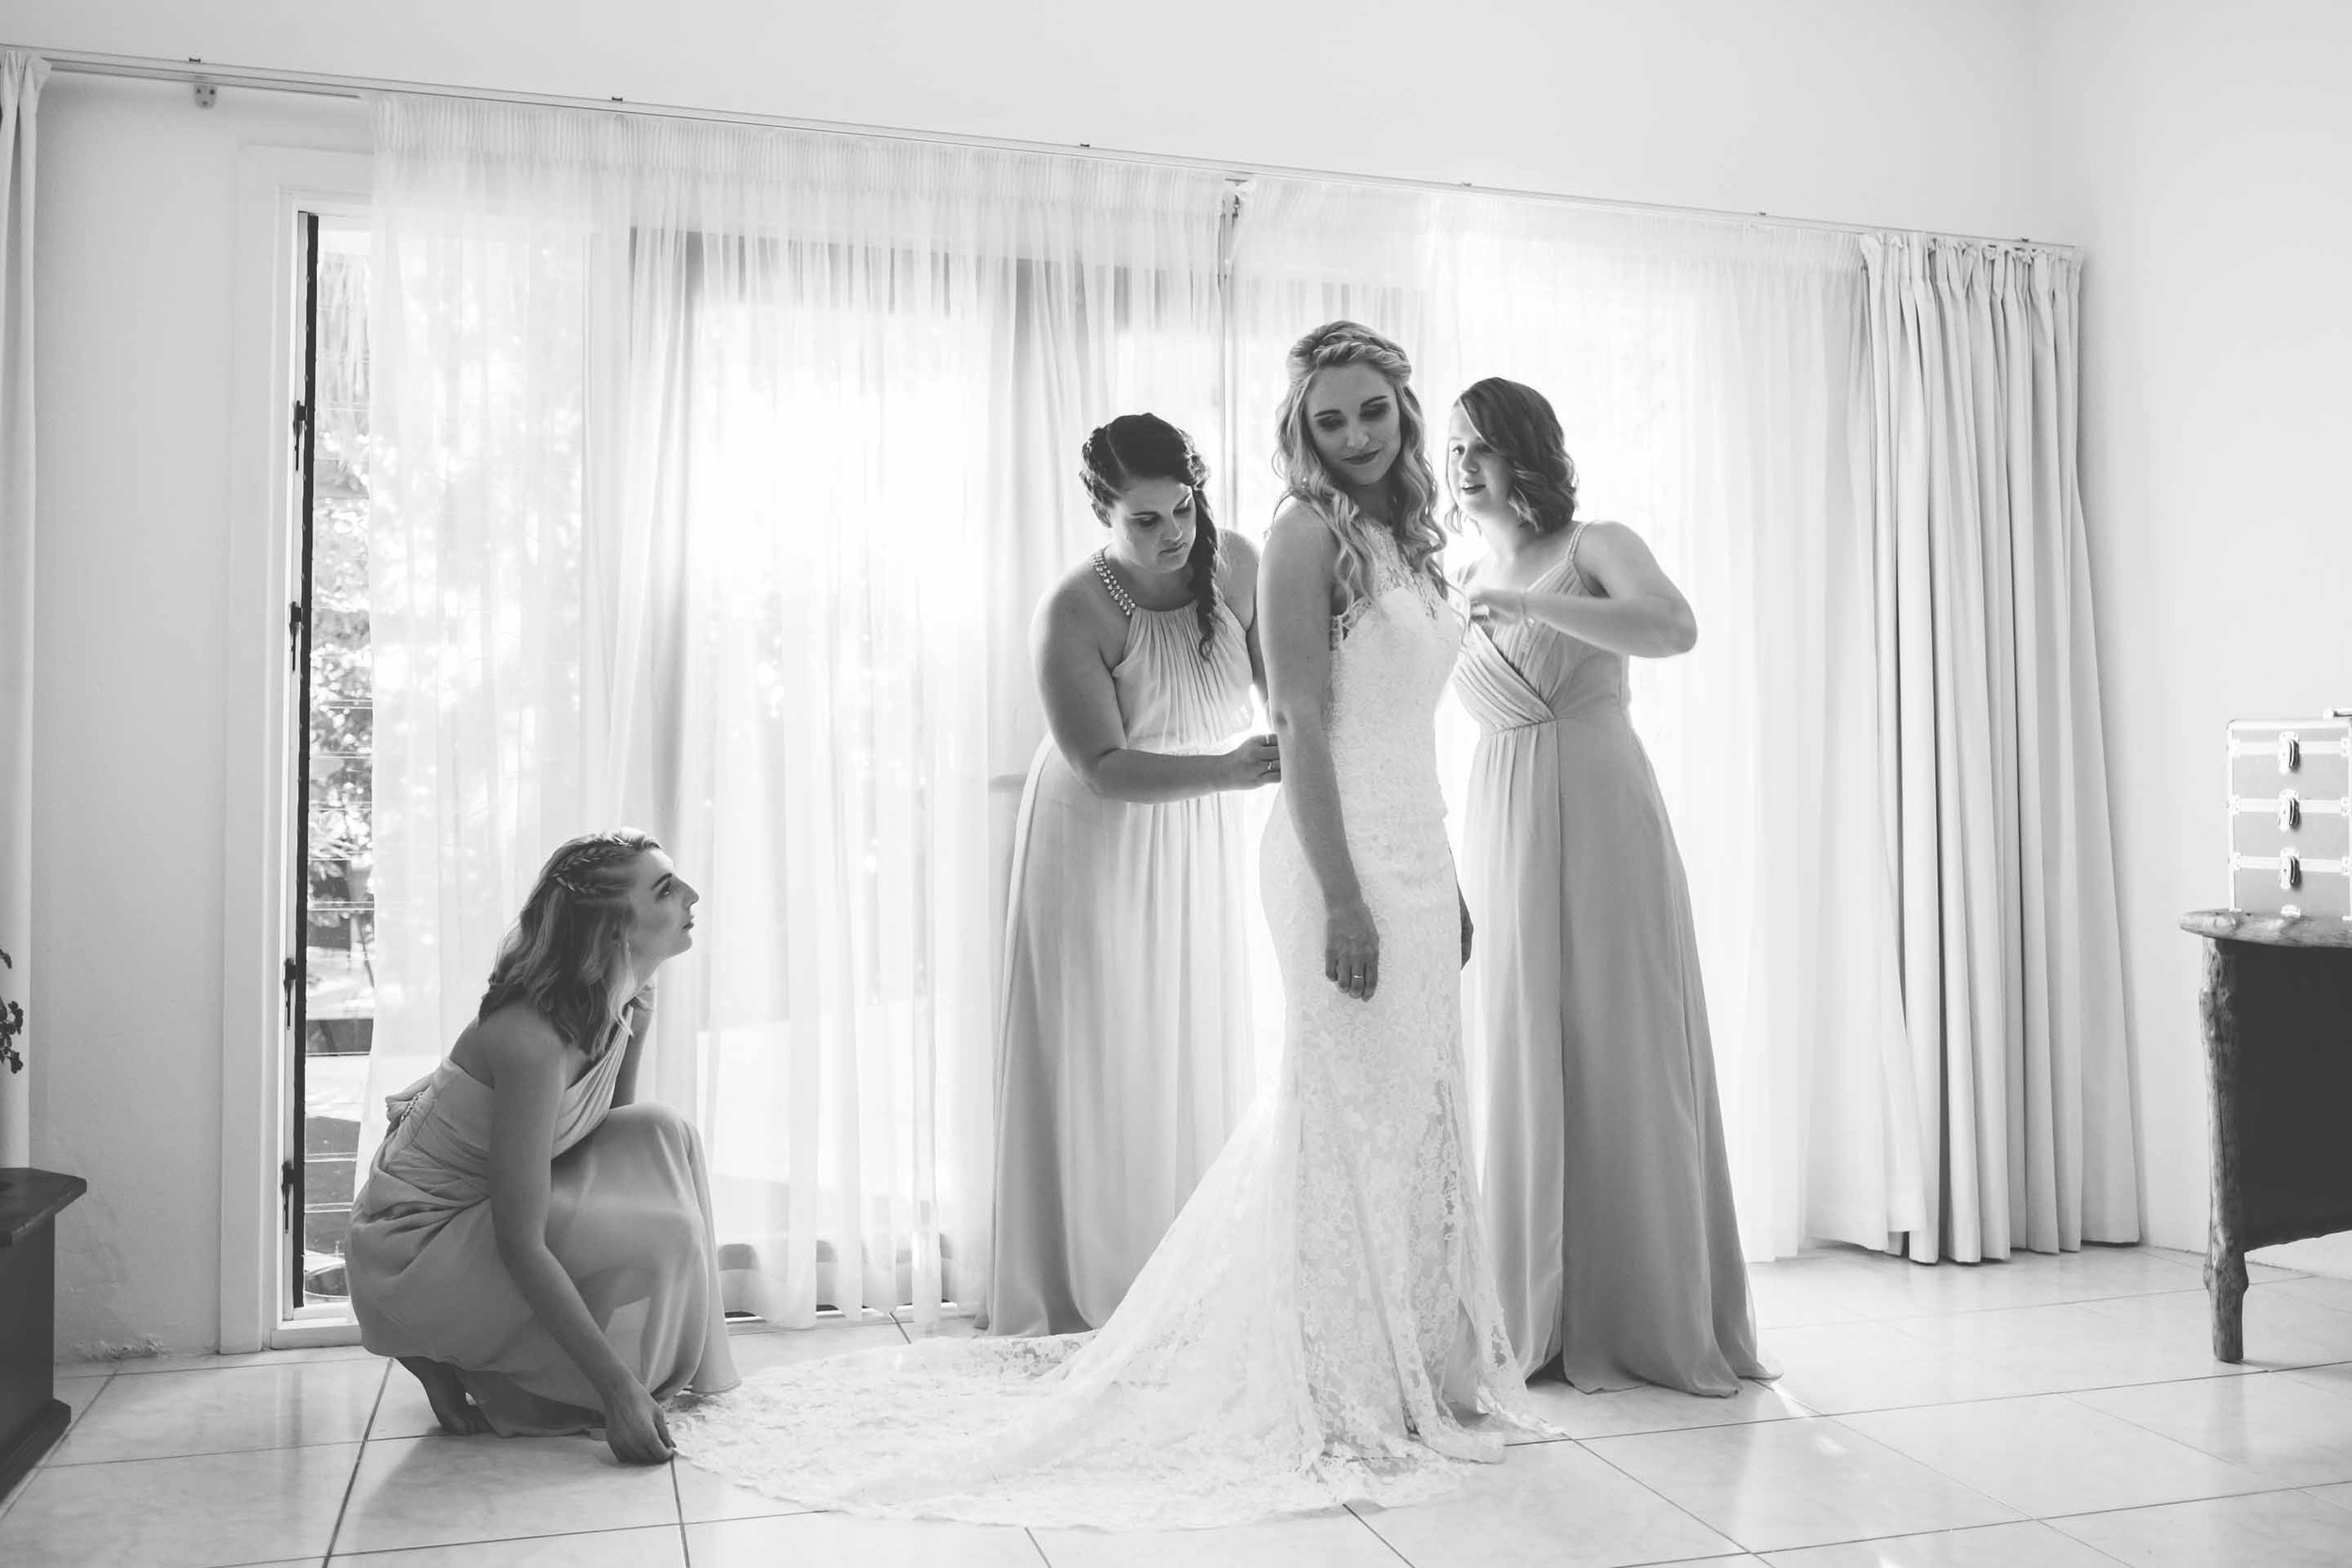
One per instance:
[(1607, 1190), (1126, 1044), (531, 1242)]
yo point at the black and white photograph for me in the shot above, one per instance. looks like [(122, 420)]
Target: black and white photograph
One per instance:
[(1495, 784)]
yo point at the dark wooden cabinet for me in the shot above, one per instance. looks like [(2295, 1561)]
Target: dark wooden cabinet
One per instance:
[(2277, 1016), (32, 1418)]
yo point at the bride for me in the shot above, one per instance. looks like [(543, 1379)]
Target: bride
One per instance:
[(1320, 1324)]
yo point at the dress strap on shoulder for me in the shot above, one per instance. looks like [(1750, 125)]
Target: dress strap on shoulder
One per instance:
[(1119, 596), (1576, 538)]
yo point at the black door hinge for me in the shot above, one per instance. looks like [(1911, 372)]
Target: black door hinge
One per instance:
[(285, 1195), (295, 620), (288, 978), (301, 424)]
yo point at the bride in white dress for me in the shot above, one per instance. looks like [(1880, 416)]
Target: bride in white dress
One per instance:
[(1320, 1324)]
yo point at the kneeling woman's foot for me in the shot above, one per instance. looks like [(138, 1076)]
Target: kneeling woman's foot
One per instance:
[(458, 1415)]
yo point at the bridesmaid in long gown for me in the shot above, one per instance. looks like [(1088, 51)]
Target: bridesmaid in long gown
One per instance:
[(1126, 1044), (1606, 1189), (532, 1243)]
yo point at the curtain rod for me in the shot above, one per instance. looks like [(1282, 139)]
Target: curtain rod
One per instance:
[(203, 73)]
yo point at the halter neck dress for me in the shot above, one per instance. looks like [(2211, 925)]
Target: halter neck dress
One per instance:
[(1127, 1049)]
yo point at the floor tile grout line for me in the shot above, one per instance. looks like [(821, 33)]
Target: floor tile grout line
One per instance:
[(1736, 1545), (510, 1540), (149, 1365), (2274, 1483), (73, 1419), (2087, 1388), (2046, 1518), (351, 1483), (1394, 1550), (2270, 1491), (1971, 1489)]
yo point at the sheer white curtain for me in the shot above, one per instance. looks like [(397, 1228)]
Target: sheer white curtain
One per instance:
[(721, 468), (1991, 753), (1710, 377), (21, 77)]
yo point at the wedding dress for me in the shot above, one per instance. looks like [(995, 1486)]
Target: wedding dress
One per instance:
[(1319, 1326)]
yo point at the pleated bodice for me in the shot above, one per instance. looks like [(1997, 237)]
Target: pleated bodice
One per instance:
[(1531, 673), (1172, 700)]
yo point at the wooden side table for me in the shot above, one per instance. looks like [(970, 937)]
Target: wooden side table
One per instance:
[(32, 1418), (2277, 1015)]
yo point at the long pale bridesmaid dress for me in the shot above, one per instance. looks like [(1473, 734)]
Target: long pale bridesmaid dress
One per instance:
[(629, 1218), (1607, 1191), (1127, 1048)]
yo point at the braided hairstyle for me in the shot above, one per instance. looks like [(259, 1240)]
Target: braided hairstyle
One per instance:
[(564, 957), (1518, 421), (1413, 484), (1138, 446)]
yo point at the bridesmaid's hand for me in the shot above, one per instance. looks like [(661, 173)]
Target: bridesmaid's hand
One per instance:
[(634, 1429), (1254, 761), (1497, 607), (1351, 949)]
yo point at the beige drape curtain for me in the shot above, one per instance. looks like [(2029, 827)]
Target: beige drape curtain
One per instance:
[(718, 471), (1993, 797)]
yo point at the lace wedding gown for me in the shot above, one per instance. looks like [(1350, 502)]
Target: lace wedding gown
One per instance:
[(1319, 1326)]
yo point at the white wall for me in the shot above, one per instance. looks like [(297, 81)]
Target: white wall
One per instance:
[(136, 192), (1897, 112), (2202, 155), (1912, 112)]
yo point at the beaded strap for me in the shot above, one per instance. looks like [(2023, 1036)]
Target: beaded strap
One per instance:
[(1119, 596)]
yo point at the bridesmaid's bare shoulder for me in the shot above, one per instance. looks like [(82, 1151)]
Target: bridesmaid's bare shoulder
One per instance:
[(514, 1038), (1078, 614)]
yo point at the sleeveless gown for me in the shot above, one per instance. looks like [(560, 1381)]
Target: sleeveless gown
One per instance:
[(1608, 1191), (629, 1218), (1318, 1327), (1126, 1052)]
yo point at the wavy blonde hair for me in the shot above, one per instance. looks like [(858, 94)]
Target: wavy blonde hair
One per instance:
[(564, 958), (1412, 483)]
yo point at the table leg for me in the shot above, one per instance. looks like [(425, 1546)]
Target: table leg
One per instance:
[(2225, 1239)]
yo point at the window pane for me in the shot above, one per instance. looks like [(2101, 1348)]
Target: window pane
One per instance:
[(338, 911)]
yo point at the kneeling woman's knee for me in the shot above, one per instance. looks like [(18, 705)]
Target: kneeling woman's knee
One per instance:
[(654, 1122)]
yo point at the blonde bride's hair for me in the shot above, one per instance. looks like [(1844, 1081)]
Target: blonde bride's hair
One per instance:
[(1413, 484)]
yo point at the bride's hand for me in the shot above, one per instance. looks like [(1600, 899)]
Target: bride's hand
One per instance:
[(1497, 607), (1351, 949)]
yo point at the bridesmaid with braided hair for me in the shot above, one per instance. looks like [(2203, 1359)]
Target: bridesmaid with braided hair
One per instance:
[(532, 1244), (1126, 1051)]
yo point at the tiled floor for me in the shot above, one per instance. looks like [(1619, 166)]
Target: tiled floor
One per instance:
[(2043, 1413)]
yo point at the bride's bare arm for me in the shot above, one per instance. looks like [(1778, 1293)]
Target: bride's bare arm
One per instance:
[(1295, 584)]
